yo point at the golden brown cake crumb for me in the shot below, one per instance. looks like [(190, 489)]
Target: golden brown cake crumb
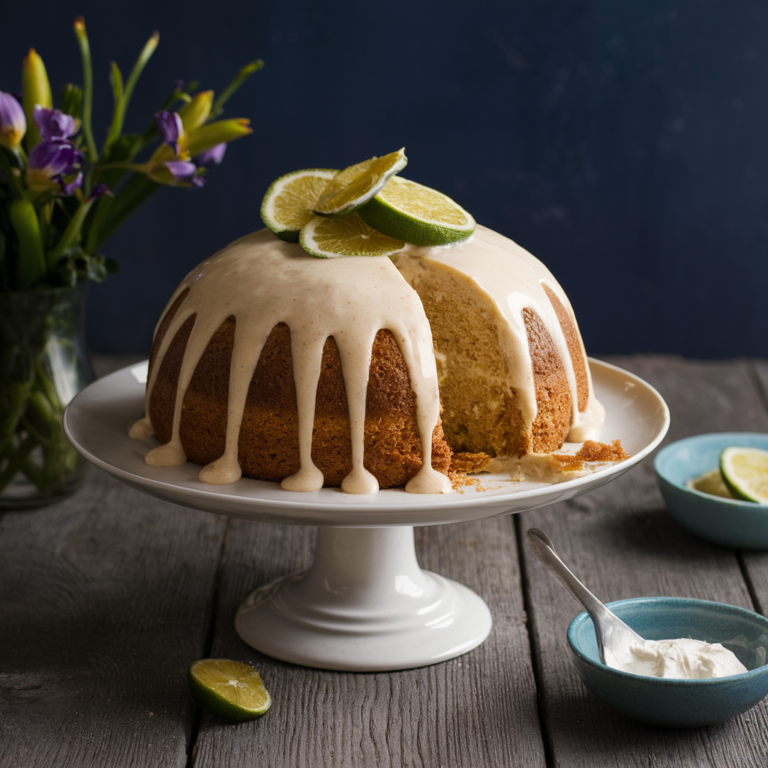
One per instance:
[(594, 451), (460, 481)]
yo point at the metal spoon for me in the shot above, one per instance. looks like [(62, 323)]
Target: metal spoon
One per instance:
[(613, 635)]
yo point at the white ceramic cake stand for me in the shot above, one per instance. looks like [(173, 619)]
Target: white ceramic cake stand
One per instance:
[(364, 605)]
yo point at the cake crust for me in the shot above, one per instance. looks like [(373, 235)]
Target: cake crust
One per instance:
[(269, 437)]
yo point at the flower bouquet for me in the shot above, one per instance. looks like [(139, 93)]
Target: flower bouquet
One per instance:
[(61, 198)]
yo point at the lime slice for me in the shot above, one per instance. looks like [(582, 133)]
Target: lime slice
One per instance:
[(346, 236), (356, 185), (228, 689), (745, 471), (711, 483), (417, 214), (289, 201)]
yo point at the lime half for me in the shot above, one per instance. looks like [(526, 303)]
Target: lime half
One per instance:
[(745, 471), (228, 689), (289, 201), (417, 214), (357, 184), (346, 236)]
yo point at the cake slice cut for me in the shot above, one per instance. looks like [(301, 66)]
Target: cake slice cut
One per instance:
[(512, 371)]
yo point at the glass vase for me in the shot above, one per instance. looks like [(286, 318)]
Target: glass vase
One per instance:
[(43, 365)]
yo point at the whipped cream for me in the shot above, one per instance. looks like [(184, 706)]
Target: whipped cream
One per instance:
[(683, 659)]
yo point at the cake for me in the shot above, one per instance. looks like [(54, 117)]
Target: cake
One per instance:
[(276, 365)]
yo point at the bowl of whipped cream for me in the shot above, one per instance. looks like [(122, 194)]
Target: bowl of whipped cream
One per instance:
[(700, 662)]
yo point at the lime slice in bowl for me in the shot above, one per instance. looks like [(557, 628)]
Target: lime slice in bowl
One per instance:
[(745, 472), (289, 201), (711, 483), (357, 184), (417, 214), (228, 689), (346, 236)]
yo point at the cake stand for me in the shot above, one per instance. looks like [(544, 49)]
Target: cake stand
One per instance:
[(365, 604)]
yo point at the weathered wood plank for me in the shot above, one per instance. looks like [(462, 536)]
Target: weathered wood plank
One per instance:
[(756, 563), (623, 543), (477, 710), (105, 599)]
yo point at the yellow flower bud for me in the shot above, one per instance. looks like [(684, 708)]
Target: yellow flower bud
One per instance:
[(36, 90), (196, 112), (211, 134)]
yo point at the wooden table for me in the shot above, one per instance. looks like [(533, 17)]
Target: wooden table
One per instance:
[(107, 597)]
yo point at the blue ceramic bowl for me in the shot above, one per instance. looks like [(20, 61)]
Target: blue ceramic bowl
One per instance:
[(730, 523), (677, 703)]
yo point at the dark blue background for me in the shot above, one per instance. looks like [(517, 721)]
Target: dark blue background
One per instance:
[(624, 144)]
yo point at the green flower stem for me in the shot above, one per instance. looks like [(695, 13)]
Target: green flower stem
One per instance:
[(14, 398), (33, 432), (85, 53), (31, 264), (13, 179), (70, 233), (47, 388), (42, 415), (240, 78), (136, 191), (16, 458), (122, 105)]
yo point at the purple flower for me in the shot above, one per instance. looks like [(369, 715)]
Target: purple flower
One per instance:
[(170, 128), (212, 155), (53, 123), (185, 172), (68, 187), (54, 163), (13, 124), (99, 190)]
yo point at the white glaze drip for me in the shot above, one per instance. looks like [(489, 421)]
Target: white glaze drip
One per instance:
[(141, 430), (261, 282)]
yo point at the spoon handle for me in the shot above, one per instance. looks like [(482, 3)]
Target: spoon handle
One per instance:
[(541, 546)]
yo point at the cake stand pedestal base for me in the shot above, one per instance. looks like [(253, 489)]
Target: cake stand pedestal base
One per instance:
[(364, 606)]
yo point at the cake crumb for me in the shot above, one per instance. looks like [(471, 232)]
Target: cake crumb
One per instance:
[(460, 481), (594, 451)]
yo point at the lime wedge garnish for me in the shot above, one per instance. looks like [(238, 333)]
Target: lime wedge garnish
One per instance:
[(346, 236), (417, 214), (745, 471), (228, 689), (288, 204), (356, 185), (711, 483)]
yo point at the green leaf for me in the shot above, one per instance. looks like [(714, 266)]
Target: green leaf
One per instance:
[(30, 267), (121, 104)]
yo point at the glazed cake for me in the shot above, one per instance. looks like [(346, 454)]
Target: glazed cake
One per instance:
[(280, 366)]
